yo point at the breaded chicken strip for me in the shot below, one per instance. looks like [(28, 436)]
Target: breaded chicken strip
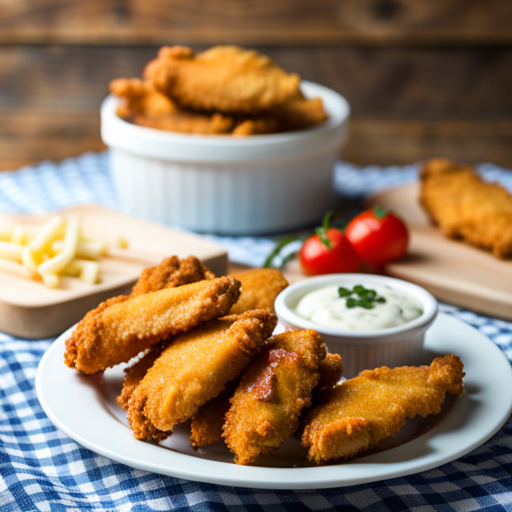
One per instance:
[(297, 114), (206, 426), (115, 332), (260, 287), (195, 368), (137, 371), (359, 413), (464, 206), (171, 273), (139, 97), (331, 369), (143, 105), (272, 392), (226, 79)]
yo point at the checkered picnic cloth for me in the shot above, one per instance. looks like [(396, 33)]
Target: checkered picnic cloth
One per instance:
[(42, 469)]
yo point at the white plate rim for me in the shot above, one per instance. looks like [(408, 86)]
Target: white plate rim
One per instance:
[(487, 403)]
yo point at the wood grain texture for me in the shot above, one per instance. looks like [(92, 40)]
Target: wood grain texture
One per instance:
[(407, 104), (373, 22)]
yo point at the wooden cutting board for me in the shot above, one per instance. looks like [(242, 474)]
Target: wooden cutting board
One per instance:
[(452, 271), (30, 310)]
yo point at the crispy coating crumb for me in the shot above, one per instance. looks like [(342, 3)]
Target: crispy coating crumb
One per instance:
[(260, 287), (121, 328), (255, 97), (140, 98), (272, 392), (331, 369), (136, 372), (195, 368), (359, 413), (171, 273), (206, 425), (143, 105), (225, 79), (464, 206)]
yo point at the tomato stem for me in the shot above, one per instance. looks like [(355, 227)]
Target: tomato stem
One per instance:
[(322, 232), (379, 212)]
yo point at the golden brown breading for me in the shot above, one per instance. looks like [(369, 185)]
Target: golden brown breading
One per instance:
[(143, 105), (297, 114), (118, 329), (256, 126), (272, 392), (171, 273), (359, 413), (140, 97), (331, 369), (300, 114), (195, 368), (464, 206), (188, 122), (206, 425), (225, 79), (136, 372), (260, 287)]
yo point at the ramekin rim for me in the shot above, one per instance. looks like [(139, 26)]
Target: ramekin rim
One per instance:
[(287, 315)]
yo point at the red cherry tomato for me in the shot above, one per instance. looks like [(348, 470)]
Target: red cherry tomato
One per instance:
[(378, 236), (316, 258)]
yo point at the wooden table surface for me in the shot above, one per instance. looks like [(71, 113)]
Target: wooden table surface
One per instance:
[(424, 78)]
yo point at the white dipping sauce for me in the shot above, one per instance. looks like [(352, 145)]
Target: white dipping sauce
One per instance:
[(325, 307)]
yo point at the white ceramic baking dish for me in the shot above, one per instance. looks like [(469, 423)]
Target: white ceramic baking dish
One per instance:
[(223, 184)]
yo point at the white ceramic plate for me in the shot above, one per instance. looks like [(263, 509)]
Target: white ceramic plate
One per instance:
[(84, 408)]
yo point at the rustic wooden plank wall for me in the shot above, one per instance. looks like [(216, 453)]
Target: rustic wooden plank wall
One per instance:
[(424, 77)]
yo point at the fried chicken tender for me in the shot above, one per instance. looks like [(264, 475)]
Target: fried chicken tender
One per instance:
[(118, 329), (225, 79), (260, 287), (272, 392), (359, 413), (171, 273), (195, 368), (331, 369), (137, 371), (139, 97), (464, 206), (300, 114), (297, 114), (143, 105), (206, 425)]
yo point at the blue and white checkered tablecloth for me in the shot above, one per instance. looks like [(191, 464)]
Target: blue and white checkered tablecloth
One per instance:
[(42, 469)]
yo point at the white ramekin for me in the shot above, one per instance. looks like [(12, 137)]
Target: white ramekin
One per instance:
[(361, 350), (223, 184)]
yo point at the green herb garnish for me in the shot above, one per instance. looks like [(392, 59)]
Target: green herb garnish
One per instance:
[(360, 296), (352, 303), (344, 292)]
